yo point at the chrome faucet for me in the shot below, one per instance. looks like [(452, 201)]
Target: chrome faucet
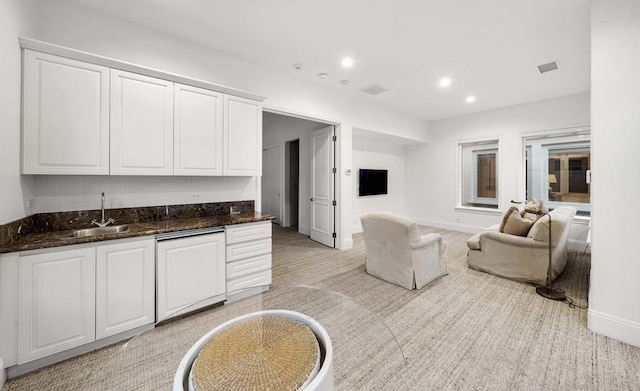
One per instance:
[(103, 223)]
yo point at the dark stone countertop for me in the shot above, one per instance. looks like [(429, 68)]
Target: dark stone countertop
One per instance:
[(59, 238)]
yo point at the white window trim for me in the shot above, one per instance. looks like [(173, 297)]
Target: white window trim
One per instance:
[(493, 139)]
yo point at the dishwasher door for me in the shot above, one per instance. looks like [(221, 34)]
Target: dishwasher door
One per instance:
[(190, 272)]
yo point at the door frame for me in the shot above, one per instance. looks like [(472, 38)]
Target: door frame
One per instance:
[(341, 240)]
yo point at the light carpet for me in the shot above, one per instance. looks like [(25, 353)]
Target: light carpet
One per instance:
[(466, 331)]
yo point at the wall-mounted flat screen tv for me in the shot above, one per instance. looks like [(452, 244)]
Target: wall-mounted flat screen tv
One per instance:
[(372, 182)]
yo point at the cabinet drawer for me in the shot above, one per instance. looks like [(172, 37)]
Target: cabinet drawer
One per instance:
[(246, 232), (247, 266), (249, 249), (249, 281)]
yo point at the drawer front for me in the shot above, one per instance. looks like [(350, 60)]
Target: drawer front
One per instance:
[(246, 232), (248, 266), (249, 281), (249, 249)]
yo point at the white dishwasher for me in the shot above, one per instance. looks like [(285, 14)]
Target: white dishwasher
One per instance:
[(190, 271)]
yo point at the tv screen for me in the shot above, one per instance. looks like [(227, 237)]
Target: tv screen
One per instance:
[(372, 182)]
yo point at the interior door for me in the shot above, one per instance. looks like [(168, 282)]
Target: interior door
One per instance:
[(322, 186), (271, 182)]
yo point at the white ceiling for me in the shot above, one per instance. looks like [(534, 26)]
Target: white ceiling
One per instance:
[(489, 48)]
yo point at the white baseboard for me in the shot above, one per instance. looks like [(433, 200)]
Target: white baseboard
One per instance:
[(347, 243), (614, 327), (356, 229), (3, 375)]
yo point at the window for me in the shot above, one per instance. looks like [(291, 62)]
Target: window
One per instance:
[(558, 168), (479, 174)]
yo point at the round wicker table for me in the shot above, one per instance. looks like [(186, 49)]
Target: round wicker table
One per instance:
[(266, 352)]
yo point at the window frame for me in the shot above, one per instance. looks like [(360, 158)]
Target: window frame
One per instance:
[(572, 140), (484, 143)]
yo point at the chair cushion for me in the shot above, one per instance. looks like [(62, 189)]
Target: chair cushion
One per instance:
[(515, 224), (534, 206)]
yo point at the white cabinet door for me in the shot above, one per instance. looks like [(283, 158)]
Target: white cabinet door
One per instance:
[(242, 137), (57, 302), (190, 273), (197, 131), (65, 116), (141, 125), (125, 286)]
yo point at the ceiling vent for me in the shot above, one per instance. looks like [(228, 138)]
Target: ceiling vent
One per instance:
[(374, 89), (552, 66)]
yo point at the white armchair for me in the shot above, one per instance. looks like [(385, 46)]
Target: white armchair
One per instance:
[(396, 251)]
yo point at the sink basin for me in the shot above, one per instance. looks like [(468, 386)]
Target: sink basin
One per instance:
[(113, 229)]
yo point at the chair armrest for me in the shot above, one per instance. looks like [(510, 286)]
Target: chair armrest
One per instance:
[(427, 240)]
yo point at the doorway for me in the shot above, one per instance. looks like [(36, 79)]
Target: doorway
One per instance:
[(292, 183), (304, 169)]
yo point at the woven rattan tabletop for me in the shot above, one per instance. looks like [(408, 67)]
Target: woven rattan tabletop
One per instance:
[(264, 353)]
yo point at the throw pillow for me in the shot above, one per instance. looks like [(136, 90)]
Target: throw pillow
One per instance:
[(534, 206), (515, 224)]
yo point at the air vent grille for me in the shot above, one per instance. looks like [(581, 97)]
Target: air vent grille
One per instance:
[(374, 89), (552, 66)]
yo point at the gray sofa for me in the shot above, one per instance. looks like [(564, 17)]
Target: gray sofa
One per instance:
[(524, 258)]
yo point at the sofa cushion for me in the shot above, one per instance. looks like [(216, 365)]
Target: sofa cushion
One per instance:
[(535, 207), (515, 224), (559, 220)]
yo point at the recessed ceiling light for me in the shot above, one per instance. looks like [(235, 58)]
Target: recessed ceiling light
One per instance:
[(323, 75), (297, 66), (445, 82), (344, 82), (347, 62), (470, 99)]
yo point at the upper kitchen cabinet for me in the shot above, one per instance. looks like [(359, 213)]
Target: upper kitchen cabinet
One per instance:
[(141, 125), (242, 137), (197, 131), (65, 116)]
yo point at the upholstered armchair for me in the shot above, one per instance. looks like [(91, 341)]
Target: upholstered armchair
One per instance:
[(396, 251)]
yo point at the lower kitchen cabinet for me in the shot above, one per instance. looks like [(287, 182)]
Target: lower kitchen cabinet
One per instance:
[(57, 302), (248, 259), (125, 286), (74, 296), (190, 273)]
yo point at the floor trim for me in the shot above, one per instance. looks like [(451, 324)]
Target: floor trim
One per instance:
[(614, 327)]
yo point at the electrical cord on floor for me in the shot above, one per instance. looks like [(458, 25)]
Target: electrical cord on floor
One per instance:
[(568, 300)]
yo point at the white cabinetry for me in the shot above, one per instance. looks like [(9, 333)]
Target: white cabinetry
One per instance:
[(78, 294), (242, 137), (248, 257), (57, 302), (125, 286), (66, 116), (190, 273), (197, 131), (141, 125)]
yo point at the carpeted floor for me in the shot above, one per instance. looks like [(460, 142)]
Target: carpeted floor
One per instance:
[(466, 331)]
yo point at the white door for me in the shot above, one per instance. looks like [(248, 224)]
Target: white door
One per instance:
[(190, 273), (125, 286), (322, 186), (66, 116), (141, 125), (242, 137), (197, 132), (271, 182), (57, 302)]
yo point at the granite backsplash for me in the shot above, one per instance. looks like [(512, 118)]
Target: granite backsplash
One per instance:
[(60, 221)]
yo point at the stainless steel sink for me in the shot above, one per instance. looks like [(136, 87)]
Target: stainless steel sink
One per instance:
[(113, 229)]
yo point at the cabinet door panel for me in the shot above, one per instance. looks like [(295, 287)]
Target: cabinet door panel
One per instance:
[(125, 291), (197, 131), (141, 125), (190, 270), (66, 116), (242, 137), (57, 302)]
